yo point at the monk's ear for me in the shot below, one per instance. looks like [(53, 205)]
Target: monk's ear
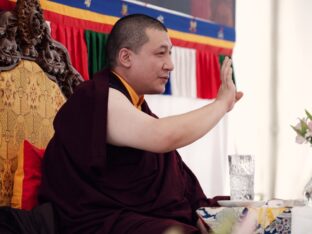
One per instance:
[(124, 57)]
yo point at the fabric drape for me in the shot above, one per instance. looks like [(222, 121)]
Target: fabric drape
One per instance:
[(183, 77), (6, 5), (196, 73), (73, 39), (207, 74), (96, 51)]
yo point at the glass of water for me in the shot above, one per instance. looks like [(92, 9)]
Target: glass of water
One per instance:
[(242, 172)]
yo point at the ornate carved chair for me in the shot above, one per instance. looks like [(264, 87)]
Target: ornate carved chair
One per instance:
[(36, 77)]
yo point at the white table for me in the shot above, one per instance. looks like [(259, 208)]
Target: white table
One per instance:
[(301, 220)]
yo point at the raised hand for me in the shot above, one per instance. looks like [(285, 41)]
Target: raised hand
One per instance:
[(227, 92)]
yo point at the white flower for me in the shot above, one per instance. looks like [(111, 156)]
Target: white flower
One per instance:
[(308, 134), (300, 139), (310, 125), (304, 129)]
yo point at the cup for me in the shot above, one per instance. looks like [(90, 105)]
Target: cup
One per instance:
[(242, 172)]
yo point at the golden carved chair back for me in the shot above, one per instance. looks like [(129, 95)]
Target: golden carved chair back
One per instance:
[(28, 104), (36, 77)]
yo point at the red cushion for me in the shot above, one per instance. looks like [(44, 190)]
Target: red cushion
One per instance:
[(27, 177)]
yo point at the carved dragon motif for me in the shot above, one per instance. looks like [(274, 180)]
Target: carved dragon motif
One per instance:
[(24, 34), (9, 55)]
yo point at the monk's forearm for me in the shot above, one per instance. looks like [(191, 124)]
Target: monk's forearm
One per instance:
[(181, 130)]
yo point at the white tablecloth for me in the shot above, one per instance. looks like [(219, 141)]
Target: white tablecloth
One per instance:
[(301, 220)]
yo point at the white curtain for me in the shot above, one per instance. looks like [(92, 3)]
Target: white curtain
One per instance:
[(183, 77)]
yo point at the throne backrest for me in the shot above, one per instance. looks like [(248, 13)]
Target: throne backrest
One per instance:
[(28, 104), (36, 77)]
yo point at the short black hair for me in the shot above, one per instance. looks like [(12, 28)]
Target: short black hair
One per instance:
[(129, 32)]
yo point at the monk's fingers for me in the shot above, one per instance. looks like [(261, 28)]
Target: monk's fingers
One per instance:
[(224, 64), (238, 96), (228, 73), (223, 67), (226, 69), (229, 78)]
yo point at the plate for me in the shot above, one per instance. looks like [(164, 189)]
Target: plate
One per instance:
[(238, 203)]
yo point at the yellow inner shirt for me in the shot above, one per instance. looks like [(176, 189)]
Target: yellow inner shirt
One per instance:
[(135, 98)]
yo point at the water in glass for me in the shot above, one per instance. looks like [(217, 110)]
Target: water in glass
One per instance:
[(242, 171)]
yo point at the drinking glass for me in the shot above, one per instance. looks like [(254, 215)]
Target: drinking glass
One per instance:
[(308, 193), (242, 171)]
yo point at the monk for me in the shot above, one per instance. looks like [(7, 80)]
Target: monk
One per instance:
[(111, 166)]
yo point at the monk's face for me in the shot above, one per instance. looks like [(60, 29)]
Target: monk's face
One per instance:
[(151, 64)]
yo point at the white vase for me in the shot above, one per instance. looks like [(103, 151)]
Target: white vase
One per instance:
[(308, 193)]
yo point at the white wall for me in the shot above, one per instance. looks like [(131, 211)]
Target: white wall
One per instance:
[(250, 120), (294, 93)]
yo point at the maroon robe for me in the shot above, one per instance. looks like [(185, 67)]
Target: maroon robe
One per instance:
[(99, 188)]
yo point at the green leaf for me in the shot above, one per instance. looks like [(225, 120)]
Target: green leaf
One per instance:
[(304, 127), (308, 114), (298, 131)]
